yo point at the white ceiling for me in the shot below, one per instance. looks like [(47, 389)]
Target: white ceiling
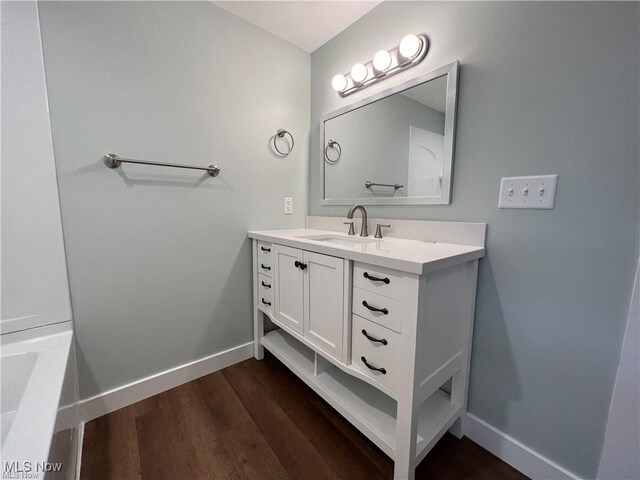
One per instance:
[(306, 24)]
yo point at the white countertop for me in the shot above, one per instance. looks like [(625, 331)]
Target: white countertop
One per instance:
[(413, 256)]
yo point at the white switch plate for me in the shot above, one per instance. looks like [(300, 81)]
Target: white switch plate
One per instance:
[(528, 192), (288, 205)]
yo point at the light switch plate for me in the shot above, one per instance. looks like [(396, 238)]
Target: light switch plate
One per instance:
[(288, 205), (528, 192)]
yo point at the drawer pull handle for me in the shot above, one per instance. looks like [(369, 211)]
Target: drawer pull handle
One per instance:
[(265, 302), (376, 279), (383, 341), (266, 285), (265, 267), (265, 249), (300, 265), (382, 370), (374, 309)]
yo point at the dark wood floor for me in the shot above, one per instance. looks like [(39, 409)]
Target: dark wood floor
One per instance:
[(255, 420)]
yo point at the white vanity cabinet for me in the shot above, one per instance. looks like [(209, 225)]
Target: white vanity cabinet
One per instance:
[(309, 290), (388, 348), (324, 306), (289, 285)]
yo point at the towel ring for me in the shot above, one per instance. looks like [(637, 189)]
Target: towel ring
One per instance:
[(280, 134), (335, 146)]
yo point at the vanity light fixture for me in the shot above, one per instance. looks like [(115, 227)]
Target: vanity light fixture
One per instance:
[(339, 83), (410, 46), (359, 73), (381, 61), (385, 63)]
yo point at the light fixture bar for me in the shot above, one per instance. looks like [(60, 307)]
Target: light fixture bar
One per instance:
[(346, 85)]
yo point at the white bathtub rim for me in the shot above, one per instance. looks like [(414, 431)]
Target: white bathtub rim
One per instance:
[(30, 435), (34, 334)]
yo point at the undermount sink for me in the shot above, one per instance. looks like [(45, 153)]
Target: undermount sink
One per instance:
[(339, 240)]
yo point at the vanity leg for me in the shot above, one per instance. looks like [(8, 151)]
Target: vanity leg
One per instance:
[(406, 438), (408, 403), (258, 333), (258, 319), (460, 380), (459, 395)]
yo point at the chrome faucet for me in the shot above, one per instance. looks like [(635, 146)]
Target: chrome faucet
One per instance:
[(364, 231)]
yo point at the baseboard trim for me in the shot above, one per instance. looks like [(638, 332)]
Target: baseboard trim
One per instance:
[(133, 392), (511, 451), (79, 450)]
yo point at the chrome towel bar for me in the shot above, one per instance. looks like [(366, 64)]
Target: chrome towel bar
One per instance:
[(370, 184), (112, 160)]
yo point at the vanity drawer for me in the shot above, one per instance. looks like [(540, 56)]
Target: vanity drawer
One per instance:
[(265, 293), (381, 310), (265, 266), (380, 280), (381, 360), (265, 284), (265, 250), (375, 338)]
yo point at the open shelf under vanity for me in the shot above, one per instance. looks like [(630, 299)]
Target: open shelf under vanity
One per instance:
[(367, 408)]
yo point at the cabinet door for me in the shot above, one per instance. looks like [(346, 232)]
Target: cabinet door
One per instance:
[(288, 292), (324, 302)]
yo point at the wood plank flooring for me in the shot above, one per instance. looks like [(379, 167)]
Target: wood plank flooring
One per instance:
[(255, 420)]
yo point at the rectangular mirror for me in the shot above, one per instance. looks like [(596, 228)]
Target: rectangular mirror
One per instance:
[(394, 148)]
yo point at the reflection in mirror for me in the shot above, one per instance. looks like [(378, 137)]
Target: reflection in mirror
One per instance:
[(396, 149)]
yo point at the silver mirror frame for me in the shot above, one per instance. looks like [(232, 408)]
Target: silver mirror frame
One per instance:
[(451, 71)]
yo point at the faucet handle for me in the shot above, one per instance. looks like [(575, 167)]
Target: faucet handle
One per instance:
[(379, 229), (351, 230)]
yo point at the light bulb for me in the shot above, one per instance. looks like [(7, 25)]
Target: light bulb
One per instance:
[(339, 83), (410, 46), (359, 73), (381, 60)]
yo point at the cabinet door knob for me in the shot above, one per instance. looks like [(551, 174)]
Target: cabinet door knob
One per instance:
[(266, 285), (297, 263), (383, 341), (265, 249), (376, 279), (265, 302), (303, 266), (375, 309), (262, 265), (382, 370)]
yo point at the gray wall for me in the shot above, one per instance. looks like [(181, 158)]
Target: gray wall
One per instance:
[(375, 143), (544, 88), (620, 454), (159, 263)]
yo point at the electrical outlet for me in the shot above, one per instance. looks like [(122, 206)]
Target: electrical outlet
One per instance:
[(528, 192), (288, 205)]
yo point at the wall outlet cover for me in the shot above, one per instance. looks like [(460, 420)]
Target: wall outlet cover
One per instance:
[(288, 205), (528, 192)]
